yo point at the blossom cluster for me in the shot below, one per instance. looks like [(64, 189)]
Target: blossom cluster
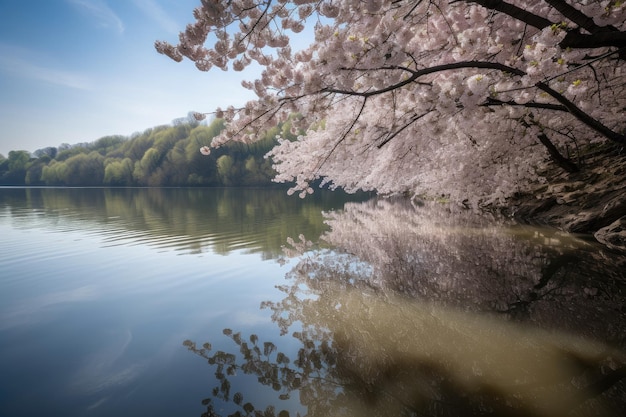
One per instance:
[(431, 97)]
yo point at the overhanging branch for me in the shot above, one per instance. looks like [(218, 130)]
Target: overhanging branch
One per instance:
[(600, 36), (514, 11), (533, 105), (572, 108), (578, 17), (575, 39)]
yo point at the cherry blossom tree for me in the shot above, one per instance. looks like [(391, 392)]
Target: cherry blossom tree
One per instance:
[(470, 99)]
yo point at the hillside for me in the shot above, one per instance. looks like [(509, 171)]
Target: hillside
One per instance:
[(165, 155)]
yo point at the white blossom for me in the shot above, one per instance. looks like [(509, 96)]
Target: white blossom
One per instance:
[(430, 97)]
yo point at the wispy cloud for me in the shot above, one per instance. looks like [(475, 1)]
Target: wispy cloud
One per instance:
[(100, 11), (12, 62), (155, 12), (33, 310)]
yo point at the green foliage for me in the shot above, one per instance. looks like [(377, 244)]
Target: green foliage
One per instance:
[(118, 172), (35, 170), (226, 169), (65, 154), (13, 169), (136, 147), (50, 152), (54, 173), (160, 156), (85, 169), (108, 143), (147, 164), (18, 160)]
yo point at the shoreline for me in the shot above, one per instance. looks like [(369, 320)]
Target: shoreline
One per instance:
[(591, 201)]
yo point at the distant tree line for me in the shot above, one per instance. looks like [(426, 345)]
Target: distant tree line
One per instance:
[(166, 155)]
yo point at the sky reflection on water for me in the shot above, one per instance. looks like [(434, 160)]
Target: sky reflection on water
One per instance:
[(95, 327), (100, 287)]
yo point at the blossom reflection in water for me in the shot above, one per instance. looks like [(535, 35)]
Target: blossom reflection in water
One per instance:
[(429, 311)]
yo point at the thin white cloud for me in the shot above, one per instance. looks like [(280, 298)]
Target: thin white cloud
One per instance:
[(155, 12), (99, 10), (103, 370), (34, 310), (11, 62)]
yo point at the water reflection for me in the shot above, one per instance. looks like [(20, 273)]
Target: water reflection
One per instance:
[(98, 287), (435, 312), (192, 220)]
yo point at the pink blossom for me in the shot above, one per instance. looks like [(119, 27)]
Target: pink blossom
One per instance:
[(419, 96)]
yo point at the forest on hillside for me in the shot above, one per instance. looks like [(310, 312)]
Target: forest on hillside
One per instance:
[(166, 155)]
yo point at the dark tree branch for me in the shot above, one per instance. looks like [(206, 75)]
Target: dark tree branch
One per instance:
[(514, 11), (533, 105), (392, 135), (578, 17), (575, 111), (575, 39), (257, 21), (343, 137), (587, 63), (556, 156), (415, 74), (601, 36)]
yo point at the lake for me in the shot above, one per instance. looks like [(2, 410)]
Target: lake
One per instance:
[(171, 302)]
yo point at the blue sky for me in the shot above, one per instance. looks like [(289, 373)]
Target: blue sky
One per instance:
[(76, 70)]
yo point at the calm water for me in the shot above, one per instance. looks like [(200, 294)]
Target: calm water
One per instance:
[(172, 302)]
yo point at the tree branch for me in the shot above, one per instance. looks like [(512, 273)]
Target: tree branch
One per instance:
[(556, 156), (570, 106), (348, 130), (392, 135), (601, 36), (575, 39), (533, 105), (514, 11), (582, 116), (586, 64), (578, 17)]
